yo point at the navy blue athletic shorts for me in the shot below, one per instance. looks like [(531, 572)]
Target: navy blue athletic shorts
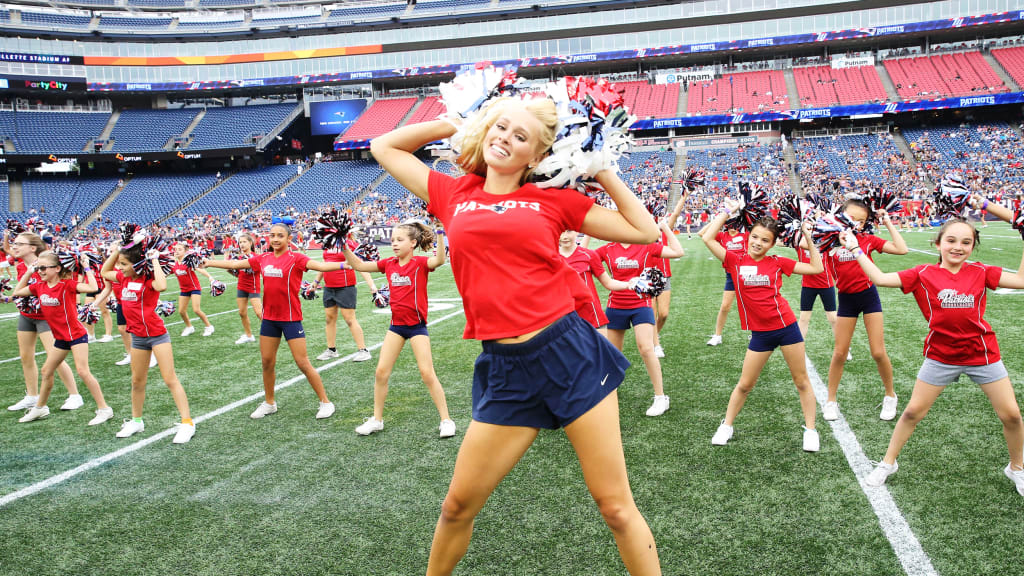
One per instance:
[(768, 340), (275, 328), (625, 318), (809, 295), (408, 332), (863, 302)]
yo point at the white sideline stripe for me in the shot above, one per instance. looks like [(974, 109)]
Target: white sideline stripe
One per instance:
[(902, 539), (99, 461)]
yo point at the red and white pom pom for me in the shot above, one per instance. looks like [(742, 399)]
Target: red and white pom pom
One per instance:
[(882, 199), (166, 308), (5, 285), (331, 228), (112, 303), (951, 196), (307, 290), (650, 283), (28, 305), (367, 251), (753, 207), (381, 298), (87, 314), (217, 288), (193, 259), (15, 227)]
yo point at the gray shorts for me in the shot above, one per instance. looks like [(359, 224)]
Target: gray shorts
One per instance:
[(30, 325), (150, 342), (939, 374), (340, 297)]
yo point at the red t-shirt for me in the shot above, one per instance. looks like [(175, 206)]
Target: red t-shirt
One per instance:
[(22, 268), (248, 280), (339, 278), (505, 252), (281, 279), (736, 243), (59, 304), (587, 265), (758, 282), (954, 305), (820, 280), (624, 264), (663, 264), (408, 289), (138, 304), (115, 289), (842, 265), (187, 279)]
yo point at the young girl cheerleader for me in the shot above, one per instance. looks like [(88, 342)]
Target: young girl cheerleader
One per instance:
[(32, 326), (814, 287), (734, 241), (190, 291), (139, 296), (282, 270), (58, 301), (663, 301), (587, 264), (407, 277), (626, 309), (248, 290), (340, 294), (758, 280), (98, 299), (541, 366), (952, 297), (857, 296)]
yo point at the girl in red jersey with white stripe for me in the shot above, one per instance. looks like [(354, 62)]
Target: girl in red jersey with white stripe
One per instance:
[(763, 311), (58, 301), (662, 302), (407, 278), (247, 291), (626, 309), (857, 296), (952, 297), (340, 294), (734, 240), (31, 327), (587, 264), (541, 366), (139, 297), (190, 291), (282, 271), (814, 287)]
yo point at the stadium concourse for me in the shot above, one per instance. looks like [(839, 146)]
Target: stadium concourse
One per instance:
[(231, 139)]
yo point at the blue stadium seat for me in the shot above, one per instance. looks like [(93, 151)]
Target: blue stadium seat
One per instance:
[(149, 130), (147, 198), (63, 196), (232, 127), (52, 132), (251, 185), (326, 183)]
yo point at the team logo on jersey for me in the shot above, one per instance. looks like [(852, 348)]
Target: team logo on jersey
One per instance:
[(181, 272), (623, 263), (844, 255), (757, 280), (950, 298), (734, 245), (129, 296), (399, 280), (497, 208), (47, 300), (271, 271)]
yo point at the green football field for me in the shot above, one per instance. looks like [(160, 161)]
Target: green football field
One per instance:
[(293, 495)]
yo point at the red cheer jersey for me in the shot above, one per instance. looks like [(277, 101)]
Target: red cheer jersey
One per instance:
[(59, 304), (587, 265), (842, 265), (339, 278), (736, 243), (408, 289), (21, 267), (281, 279), (504, 252), (627, 263), (663, 264), (758, 282), (187, 279), (821, 280), (954, 306), (248, 280), (138, 304)]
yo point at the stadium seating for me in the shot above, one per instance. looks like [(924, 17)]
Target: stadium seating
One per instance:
[(747, 92), (326, 183), (225, 3), (233, 127), (52, 20), (944, 76), (250, 185), (134, 22), (430, 109), (52, 132), (63, 197), (992, 150), (147, 198), (646, 100), (149, 130), (448, 5), (286, 17), (382, 116), (368, 12), (871, 159), (827, 86), (725, 167), (1012, 59), (208, 20), (157, 3)]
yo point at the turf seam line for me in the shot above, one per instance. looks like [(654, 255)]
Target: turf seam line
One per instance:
[(100, 460), (904, 543)]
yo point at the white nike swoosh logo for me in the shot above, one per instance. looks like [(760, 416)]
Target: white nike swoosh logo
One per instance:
[(605, 380)]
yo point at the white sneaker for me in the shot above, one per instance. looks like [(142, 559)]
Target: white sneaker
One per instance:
[(262, 410), (106, 338), (888, 408), (659, 351), (1017, 476), (102, 415), (74, 402), (152, 360), (325, 411), (830, 411), (362, 355), (722, 435), (35, 413), (188, 330), (243, 339), (812, 442), (849, 356), (130, 427), (328, 354), (92, 338), (124, 361), (447, 428), (184, 434), (371, 425), (23, 404), (206, 332), (715, 340), (881, 472), (659, 406)]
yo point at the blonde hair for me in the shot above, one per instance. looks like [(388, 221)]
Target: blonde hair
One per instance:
[(471, 158), (248, 237), (420, 233), (50, 259), (35, 241)]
